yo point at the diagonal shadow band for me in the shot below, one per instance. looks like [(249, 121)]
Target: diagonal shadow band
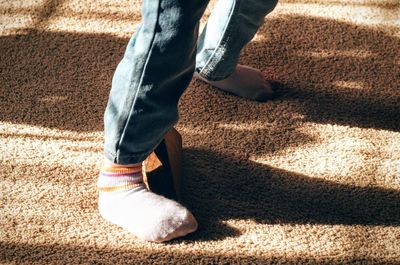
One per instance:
[(29, 253), (61, 80)]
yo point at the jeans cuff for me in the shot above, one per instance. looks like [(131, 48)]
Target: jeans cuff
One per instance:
[(212, 77), (125, 159)]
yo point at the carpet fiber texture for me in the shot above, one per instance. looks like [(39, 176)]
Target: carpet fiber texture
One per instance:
[(310, 178)]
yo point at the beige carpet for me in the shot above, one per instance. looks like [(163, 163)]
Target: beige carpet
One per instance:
[(310, 178)]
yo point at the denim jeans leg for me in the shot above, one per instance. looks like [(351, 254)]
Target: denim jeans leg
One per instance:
[(232, 24), (157, 66)]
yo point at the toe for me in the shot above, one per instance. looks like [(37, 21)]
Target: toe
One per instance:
[(188, 225)]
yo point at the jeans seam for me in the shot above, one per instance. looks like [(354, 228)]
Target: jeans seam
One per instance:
[(140, 82), (219, 42)]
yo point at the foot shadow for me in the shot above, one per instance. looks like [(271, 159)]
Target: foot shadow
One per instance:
[(337, 73), (219, 187)]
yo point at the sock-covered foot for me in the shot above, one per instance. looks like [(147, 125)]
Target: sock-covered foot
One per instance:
[(245, 82), (125, 201)]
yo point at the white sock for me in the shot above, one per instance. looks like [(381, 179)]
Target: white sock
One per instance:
[(125, 201)]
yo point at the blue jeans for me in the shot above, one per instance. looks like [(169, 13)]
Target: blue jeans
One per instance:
[(159, 63)]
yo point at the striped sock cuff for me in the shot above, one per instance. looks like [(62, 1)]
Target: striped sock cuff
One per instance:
[(121, 178)]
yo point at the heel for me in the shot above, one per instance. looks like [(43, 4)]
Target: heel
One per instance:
[(164, 167)]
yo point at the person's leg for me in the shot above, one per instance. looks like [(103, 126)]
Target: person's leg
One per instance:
[(232, 24), (157, 66)]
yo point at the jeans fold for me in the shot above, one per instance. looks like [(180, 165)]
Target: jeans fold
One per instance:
[(159, 63)]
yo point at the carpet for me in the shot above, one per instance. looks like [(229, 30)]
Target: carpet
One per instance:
[(312, 177)]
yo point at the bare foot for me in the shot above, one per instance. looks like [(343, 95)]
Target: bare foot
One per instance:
[(246, 82)]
